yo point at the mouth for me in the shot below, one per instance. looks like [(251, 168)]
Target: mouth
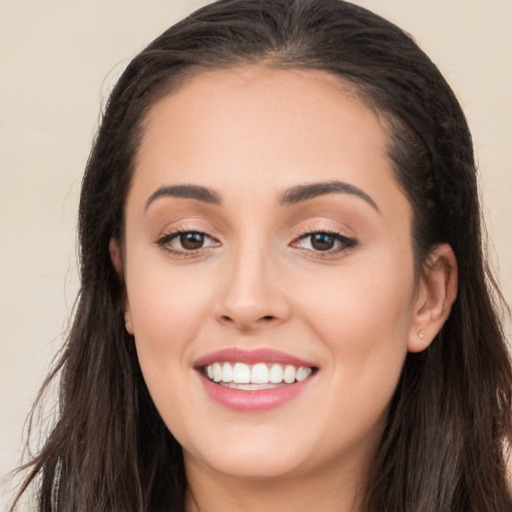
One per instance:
[(259, 376), (254, 381)]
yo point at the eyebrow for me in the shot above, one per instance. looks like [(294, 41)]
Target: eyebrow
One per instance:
[(186, 192), (301, 193), (291, 196)]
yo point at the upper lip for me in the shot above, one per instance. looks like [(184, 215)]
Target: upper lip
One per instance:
[(262, 355)]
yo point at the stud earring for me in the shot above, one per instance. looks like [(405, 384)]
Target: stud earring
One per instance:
[(421, 333)]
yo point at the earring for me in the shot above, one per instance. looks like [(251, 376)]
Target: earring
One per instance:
[(421, 333)]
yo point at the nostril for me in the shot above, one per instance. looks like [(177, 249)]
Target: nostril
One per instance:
[(244, 323)]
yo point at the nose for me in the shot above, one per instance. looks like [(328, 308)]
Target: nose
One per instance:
[(254, 296)]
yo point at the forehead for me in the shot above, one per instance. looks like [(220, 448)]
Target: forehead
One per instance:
[(255, 125), (259, 102), (297, 94)]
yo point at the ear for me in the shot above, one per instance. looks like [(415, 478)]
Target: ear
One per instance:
[(436, 293), (116, 256)]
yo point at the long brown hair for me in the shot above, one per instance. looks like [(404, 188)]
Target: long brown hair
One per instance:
[(449, 428)]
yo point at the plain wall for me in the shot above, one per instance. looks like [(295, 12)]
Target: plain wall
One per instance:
[(58, 61)]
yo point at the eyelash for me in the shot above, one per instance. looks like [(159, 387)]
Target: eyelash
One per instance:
[(165, 240), (345, 243)]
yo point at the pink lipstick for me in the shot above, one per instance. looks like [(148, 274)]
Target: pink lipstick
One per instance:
[(254, 380)]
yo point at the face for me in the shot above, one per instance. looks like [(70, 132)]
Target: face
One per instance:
[(269, 273)]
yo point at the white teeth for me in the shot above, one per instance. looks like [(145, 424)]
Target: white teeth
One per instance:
[(276, 373), (217, 372), (227, 372), (241, 373), (248, 387), (260, 374), (289, 374), (302, 373)]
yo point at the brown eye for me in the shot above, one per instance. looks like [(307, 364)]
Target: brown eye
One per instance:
[(191, 241), (322, 241), (186, 242)]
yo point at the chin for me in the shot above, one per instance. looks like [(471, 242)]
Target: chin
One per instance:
[(251, 464), (264, 456)]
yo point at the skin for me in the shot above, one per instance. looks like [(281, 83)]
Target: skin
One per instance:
[(250, 134)]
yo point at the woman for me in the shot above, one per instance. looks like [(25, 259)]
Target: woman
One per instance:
[(284, 303)]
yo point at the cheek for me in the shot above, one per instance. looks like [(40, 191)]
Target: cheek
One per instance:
[(365, 327), (363, 315), (372, 292), (167, 303), (167, 314), (168, 308)]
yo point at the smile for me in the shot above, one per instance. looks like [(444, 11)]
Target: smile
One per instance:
[(254, 380), (255, 377)]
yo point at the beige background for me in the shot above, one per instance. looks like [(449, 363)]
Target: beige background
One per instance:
[(59, 59)]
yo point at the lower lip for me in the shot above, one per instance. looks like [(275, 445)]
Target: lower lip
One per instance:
[(254, 400)]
